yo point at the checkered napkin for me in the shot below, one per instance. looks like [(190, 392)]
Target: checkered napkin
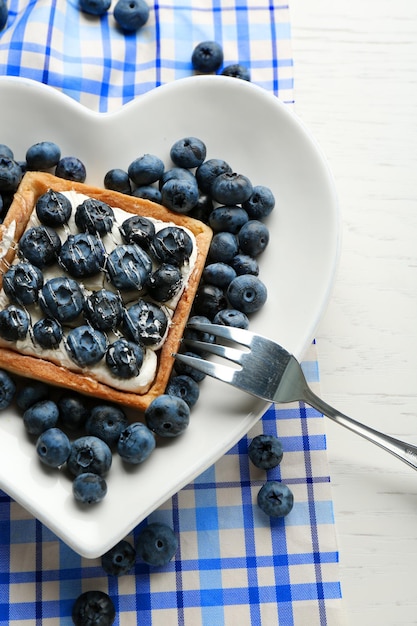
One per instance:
[(234, 565)]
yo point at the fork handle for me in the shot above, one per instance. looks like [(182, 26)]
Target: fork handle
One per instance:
[(402, 450)]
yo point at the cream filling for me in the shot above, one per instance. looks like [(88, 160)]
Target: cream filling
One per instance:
[(100, 372)]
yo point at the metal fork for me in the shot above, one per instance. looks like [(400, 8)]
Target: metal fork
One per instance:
[(268, 371)]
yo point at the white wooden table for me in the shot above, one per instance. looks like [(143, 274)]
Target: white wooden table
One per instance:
[(356, 89)]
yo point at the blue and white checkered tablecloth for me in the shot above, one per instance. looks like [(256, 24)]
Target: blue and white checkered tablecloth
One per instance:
[(233, 565)]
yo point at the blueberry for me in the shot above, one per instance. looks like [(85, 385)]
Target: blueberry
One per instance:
[(179, 195), (41, 416), (265, 451), (167, 416), (22, 282), (124, 358), (10, 174), (191, 333), (231, 317), (71, 168), (231, 188), (135, 444), (236, 70), (145, 323), (94, 216), (156, 544), (260, 204), (106, 421), (82, 255), (148, 192), (14, 323), (43, 155), (40, 245), (7, 390), (89, 454), (202, 210), (104, 309), (172, 245), (47, 333), (53, 447), (189, 370), (128, 267), (176, 173), (32, 393), (53, 208), (247, 293), (165, 282), (131, 15), (188, 152), (85, 345), (6, 151), (245, 264), (120, 559), (4, 13), (145, 169), (62, 299), (93, 608), (219, 274), (223, 247), (118, 179), (208, 171), (253, 238), (89, 488), (95, 7), (184, 387), (138, 229), (207, 57), (73, 411), (228, 218), (209, 300), (275, 499)]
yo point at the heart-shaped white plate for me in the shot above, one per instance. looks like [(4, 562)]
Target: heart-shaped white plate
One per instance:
[(260, 137)]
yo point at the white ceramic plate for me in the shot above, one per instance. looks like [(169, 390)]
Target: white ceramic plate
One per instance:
[(261, 138)]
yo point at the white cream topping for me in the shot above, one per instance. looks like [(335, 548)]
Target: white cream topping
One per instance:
[(59, 356)]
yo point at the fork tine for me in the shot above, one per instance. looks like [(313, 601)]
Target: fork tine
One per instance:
[(232, 354), (239, 335), (222, 372)]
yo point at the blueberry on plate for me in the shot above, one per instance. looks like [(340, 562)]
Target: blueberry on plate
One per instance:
[(47, 333), (172, 244), (128, 267), (165, 282), (95, 7), (7, 390), (188, 152), (89, 488), (43, 155), (41, 416), (148, 192), (120, 559), (209, 300), (177, 173), (245, 264), (85, 345), (53, 208), (14, 323), (156, 544), (89, 454), (167, 416), (247, 293), (231, 317), (138, 229), (135, 444), (10, 174), (118, 179), (53, 447), (265, 451), (189, 370), (31, 393), (4, 14), (207, 57), (145, 170), (22, 282), (61, 298), (145, 323), (82, 255), (93, 608), (260, 204), (231, 188), (253, 238), (73, 410), (184, 387), (124, 358), (94, 216), (106, 421), (104, 309), (275, 499), (228, 218), (219, 274), (40, 245), (131, 15), (199, 335), (179, 195), (236, 70), (224, 247), (71, 168), (6, 151), (208, 171)]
